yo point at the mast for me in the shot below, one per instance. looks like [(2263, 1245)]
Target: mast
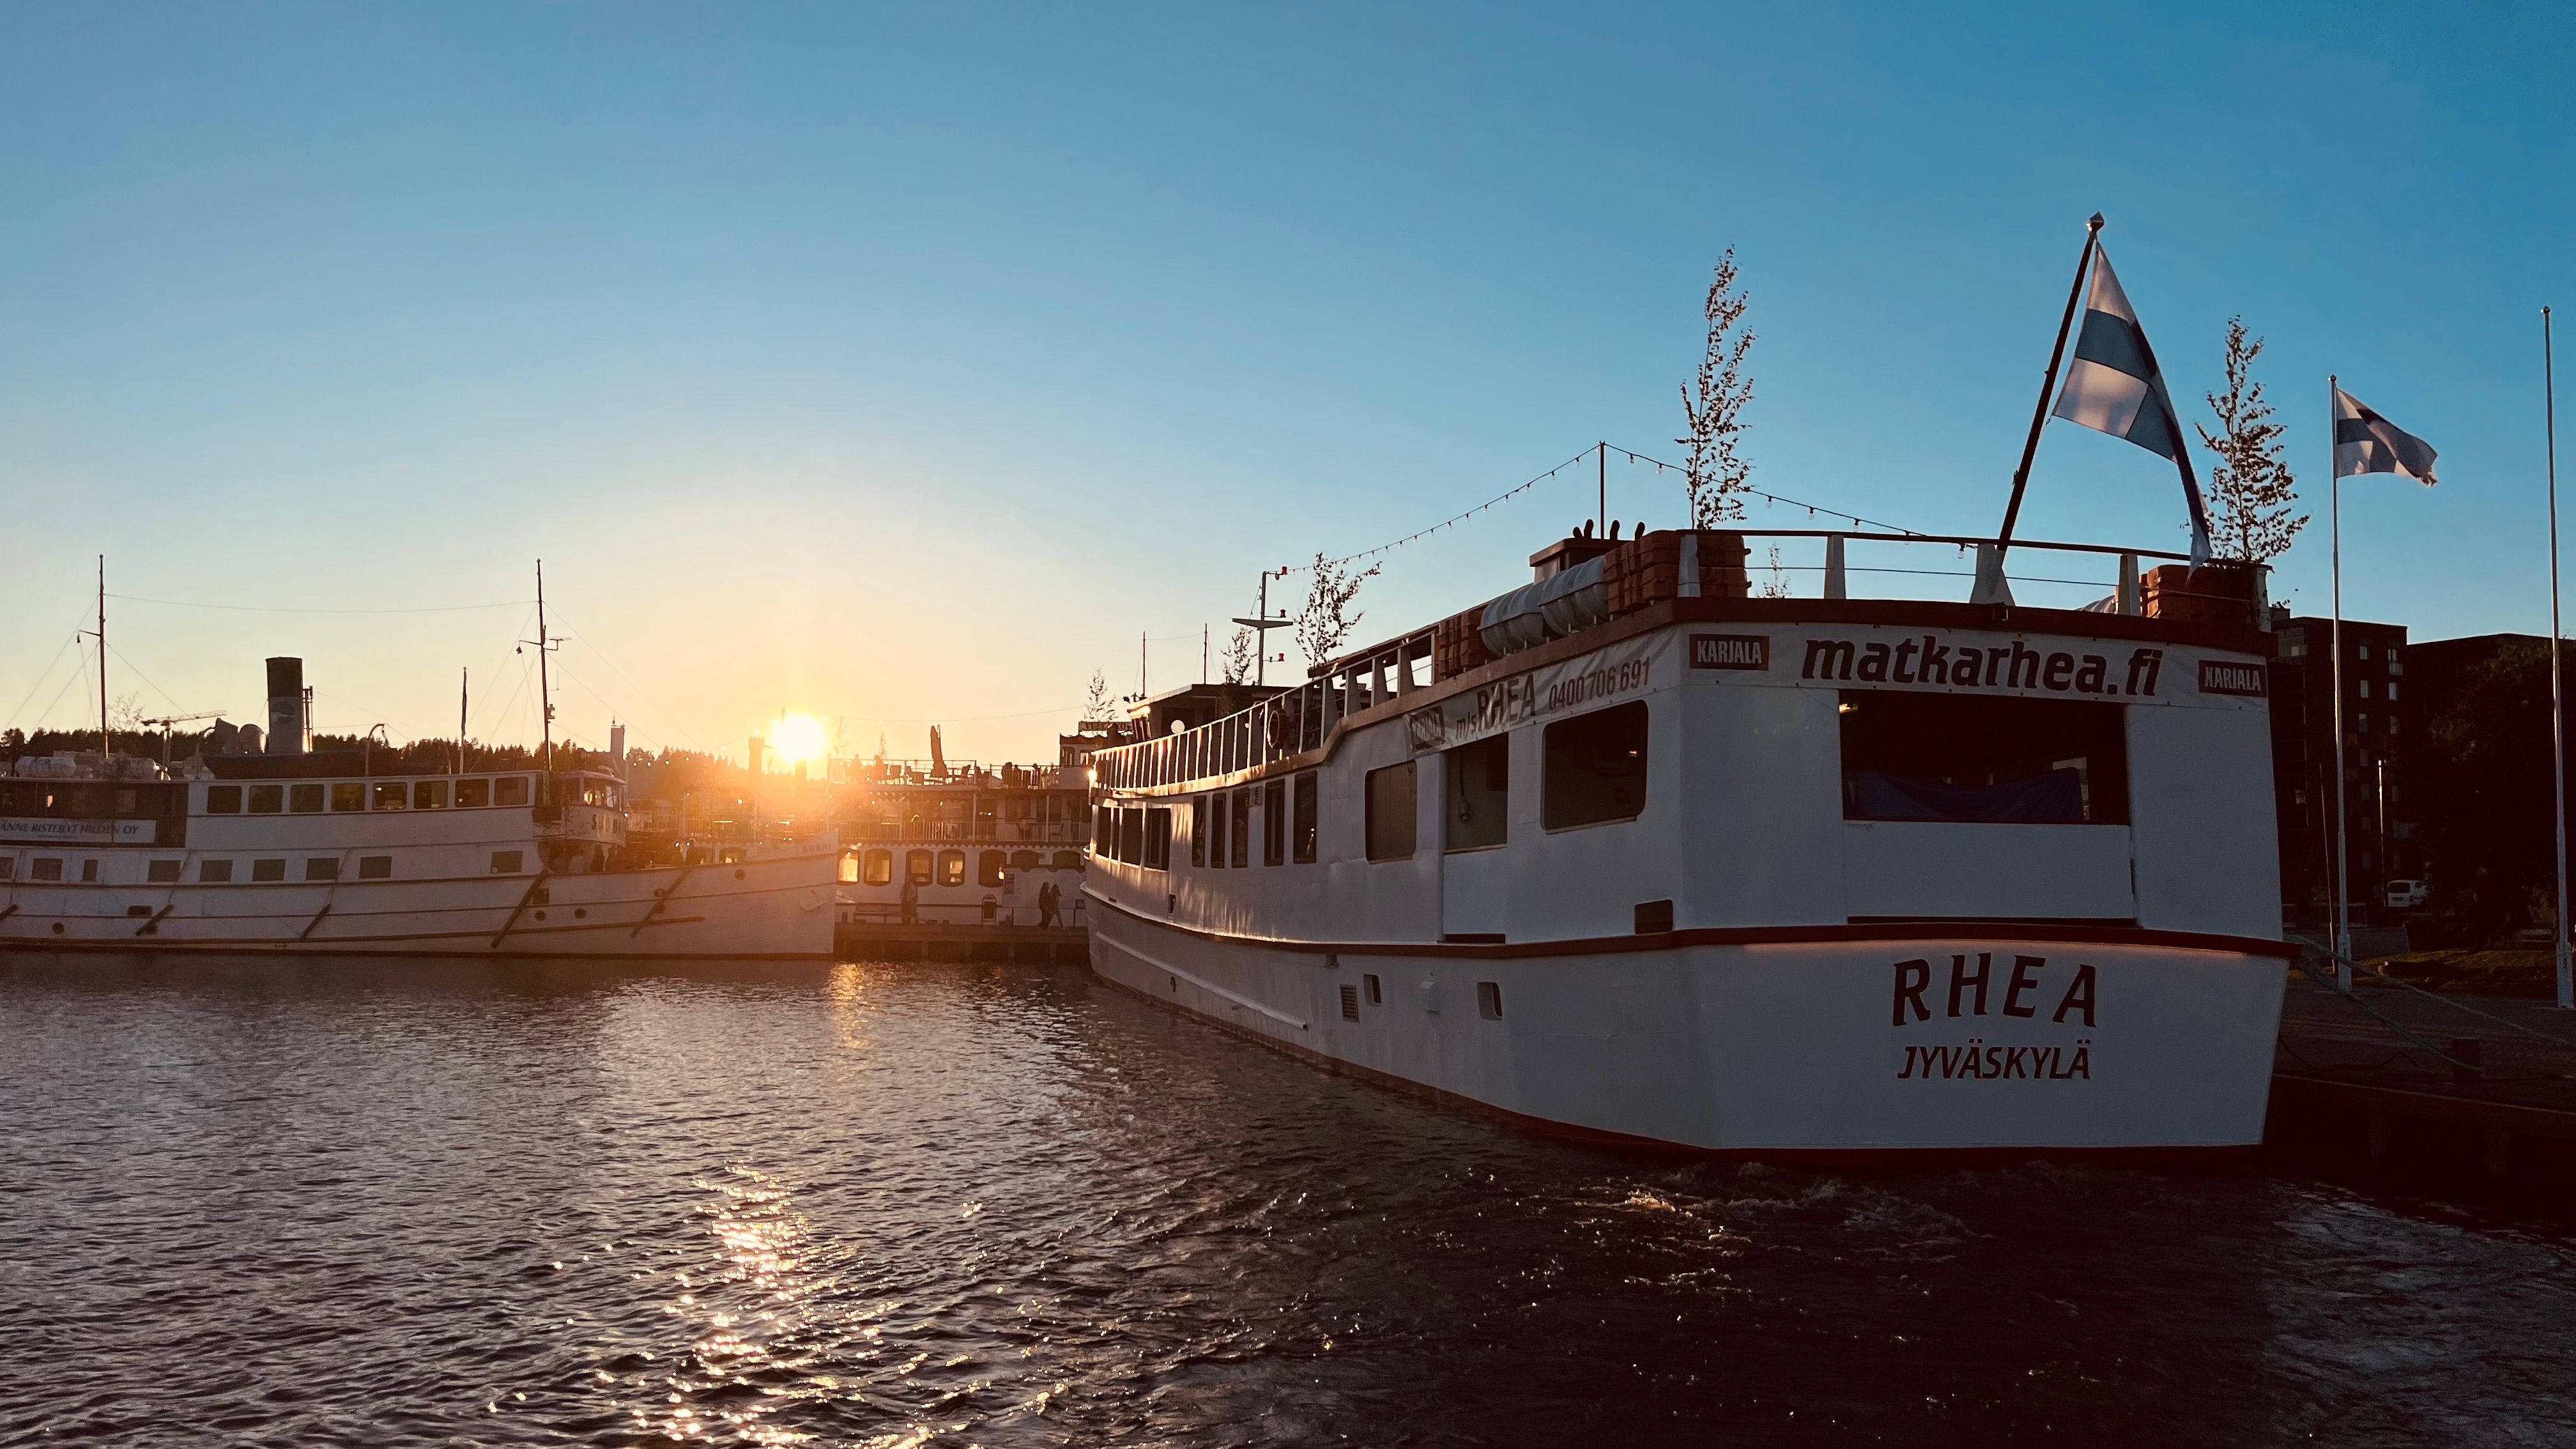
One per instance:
[(463, 679), (2557, 689), (2342, 936), (106, 741), (545, 695), (2047, 385)]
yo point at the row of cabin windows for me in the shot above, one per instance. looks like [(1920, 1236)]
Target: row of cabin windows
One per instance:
[(220, 872), (262, 869), (948, 867), (351, 795), (1593, 772)]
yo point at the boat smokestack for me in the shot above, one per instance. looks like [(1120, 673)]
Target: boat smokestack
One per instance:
[(289, 732)]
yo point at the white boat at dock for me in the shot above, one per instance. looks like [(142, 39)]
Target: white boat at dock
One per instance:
[(1628, 852)]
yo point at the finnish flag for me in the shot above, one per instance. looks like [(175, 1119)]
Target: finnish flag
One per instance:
[(2113, 386), (2365, 442)]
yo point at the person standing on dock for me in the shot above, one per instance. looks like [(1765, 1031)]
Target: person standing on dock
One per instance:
[(911, 899), (1047, 899)]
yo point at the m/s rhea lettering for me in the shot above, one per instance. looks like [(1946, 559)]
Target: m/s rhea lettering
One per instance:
[(2020, 994)]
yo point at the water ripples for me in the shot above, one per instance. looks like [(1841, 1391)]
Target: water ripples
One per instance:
[(302, 1203)]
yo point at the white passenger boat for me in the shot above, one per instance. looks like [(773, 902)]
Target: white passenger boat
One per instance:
[(960, 843), (327, 853), (1629, 853)]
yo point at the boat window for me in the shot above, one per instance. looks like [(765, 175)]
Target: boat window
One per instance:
[(505, 862), (877, 868), (473, 794), (390, 795), (916, 867), (510, 790), (1595, 768), (212, 872), (1199, 814), (268, 870), (89, 870), (223, 799), (9, 867), (322, 867), (304, 799), (160, 872), (1376, 991), (1131, 836), (1274, 822), (1920, 756), (1024, 860), (1100, 831), (1158, 838), (1303, 837), (348, 795), (429, 795), (1489, 1000), (1239, 827), (1478, 782), (990, 867), (46, 867), (267, 799), (952, 867), (1068, 860), (1391, 812), (375, 867)]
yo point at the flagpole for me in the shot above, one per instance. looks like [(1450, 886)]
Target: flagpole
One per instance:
[(2557, 700), (2047, 385), (2342, 936)]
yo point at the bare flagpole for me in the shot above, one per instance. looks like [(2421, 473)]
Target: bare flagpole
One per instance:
[(2342, 937), (2557, 700)]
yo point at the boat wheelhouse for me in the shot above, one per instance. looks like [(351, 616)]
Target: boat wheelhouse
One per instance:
[(1631, 852)]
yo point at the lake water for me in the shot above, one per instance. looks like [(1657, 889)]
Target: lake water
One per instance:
[(344, 1203)]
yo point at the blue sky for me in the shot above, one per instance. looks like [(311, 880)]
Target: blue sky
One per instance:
[(907, 364)]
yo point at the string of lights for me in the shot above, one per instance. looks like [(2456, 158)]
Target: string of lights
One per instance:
[(1450, 522), (1814, 510)]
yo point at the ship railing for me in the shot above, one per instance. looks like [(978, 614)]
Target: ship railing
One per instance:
[(1640, 572)]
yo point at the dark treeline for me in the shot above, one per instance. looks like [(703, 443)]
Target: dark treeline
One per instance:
[(2484, 799)]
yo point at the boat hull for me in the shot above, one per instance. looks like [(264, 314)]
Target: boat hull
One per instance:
[(1903, 1045), (777, 907)]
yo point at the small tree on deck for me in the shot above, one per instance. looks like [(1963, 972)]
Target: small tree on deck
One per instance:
[(1713, 475), (2255, 494), (1326, 622)]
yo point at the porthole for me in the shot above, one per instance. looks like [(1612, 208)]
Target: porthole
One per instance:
[(737, 875), (580, 913), (541, 915), (58, 928)]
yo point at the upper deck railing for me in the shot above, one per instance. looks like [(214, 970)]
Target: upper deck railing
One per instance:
[(1626, 577)]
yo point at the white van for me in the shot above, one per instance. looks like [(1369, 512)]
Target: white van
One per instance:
[(2406, 895)]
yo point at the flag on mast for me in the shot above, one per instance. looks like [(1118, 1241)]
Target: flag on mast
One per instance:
[(2114, 386), (2365, 442)]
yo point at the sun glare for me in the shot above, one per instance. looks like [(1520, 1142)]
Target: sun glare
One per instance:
[(798, 738)]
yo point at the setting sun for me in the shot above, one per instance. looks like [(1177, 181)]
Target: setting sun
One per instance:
[(798, 739)]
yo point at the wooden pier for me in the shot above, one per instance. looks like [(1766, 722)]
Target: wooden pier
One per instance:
[(957, 941), (2459, 1090)]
